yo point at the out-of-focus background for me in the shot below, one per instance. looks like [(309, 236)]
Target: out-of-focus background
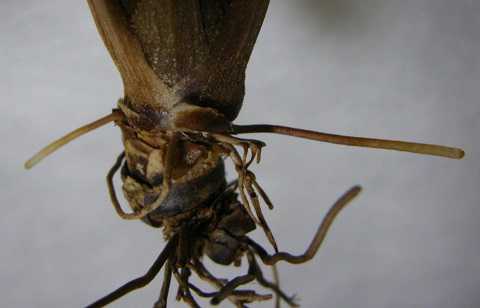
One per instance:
[(379, 68)]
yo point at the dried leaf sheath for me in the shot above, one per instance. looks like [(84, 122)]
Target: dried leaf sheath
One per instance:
[(197, 50), (141, 84)]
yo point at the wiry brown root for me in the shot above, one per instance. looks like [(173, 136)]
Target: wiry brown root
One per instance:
[(275, 287), (245, 296), (167, 278), (229, 289), (184, 289), (252, 145), (248, 185), (139, 282), (204, 274), (276, 281), (317, 239)]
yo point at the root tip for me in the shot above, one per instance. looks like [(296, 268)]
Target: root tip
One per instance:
[(29, 164), (459, 153), (355, 190)]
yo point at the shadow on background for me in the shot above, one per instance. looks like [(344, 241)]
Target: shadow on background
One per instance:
[(343, 17)]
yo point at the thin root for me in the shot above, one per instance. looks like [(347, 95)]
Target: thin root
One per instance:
[(52, 147), (317, 240), (412, 147)]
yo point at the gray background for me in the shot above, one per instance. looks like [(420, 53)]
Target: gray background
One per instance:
[(388, 69)]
